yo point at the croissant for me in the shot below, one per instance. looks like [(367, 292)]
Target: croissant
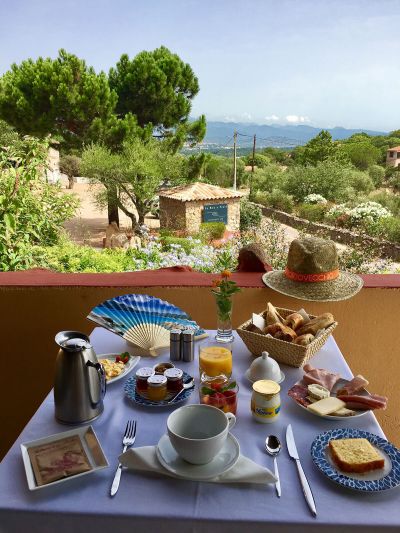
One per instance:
[(273, 329), (320, 322), (285, 334), (294, 321), (304, 340)]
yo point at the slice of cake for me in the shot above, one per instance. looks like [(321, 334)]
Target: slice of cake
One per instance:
[(355, 455)]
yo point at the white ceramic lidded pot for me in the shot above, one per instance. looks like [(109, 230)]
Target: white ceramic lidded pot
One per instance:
[(265, 367), (266, 401)]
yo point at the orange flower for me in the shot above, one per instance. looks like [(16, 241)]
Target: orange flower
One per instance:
[(226, 274), (216, 282)]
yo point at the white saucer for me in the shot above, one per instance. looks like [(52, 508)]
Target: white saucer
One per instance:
[(247, 374), (225, 460)]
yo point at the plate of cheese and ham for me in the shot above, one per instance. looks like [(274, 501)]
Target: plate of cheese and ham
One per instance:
[(326, 394)]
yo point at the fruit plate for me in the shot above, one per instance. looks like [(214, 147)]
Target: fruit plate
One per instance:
[(336, 387), (375, 481), (132, 394), (129, 366)]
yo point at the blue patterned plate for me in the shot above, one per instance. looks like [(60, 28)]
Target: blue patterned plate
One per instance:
[(130, 392), (374, 481)]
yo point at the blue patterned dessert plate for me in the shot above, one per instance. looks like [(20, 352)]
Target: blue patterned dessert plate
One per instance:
[(132, 394), (375, 481)]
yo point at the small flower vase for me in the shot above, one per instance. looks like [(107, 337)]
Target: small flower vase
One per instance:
[(224, 320)]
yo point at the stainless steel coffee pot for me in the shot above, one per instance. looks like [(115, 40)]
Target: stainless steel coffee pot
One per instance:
[(80, 384)]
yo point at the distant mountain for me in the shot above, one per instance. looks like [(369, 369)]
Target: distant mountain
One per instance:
[(221, 133)]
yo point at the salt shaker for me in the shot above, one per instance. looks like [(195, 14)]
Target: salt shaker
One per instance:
[(187, 345), (175, 345)]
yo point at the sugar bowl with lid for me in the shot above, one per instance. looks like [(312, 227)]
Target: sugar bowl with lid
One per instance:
[(265, 367)]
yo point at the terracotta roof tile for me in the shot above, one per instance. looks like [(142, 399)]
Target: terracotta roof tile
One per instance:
[(394, 149), (199, 191)]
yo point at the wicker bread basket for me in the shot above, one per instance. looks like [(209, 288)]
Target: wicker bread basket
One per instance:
[(284, 352)]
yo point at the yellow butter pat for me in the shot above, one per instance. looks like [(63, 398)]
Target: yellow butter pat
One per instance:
[(327, 406)]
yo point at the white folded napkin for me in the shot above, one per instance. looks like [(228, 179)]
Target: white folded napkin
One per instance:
[(245, 470)]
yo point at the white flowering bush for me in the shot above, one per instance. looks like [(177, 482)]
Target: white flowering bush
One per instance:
[(315, 199), (362, 215)]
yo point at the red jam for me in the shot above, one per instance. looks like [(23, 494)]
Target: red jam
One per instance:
[(141, 378), (174, 379)]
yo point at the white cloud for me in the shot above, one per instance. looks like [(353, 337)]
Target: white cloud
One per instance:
[(272, 118), (246, 116), (297, 119)]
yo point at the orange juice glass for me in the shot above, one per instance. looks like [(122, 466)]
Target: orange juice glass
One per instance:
[(215, 360)]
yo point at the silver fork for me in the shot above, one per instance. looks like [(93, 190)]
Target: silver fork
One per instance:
[(127, 442)]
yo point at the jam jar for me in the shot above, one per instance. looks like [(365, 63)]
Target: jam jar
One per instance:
[(142, 375), (156, 388), (174, 379), (266, 401)]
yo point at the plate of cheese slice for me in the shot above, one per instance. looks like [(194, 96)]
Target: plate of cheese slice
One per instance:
[(327, 395)]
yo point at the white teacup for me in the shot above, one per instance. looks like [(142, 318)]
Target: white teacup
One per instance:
[(198, 432)]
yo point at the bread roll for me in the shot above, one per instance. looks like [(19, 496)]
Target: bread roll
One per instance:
[(320, 322), (273, 329), (304, 340), (294, 321), (285, 334)]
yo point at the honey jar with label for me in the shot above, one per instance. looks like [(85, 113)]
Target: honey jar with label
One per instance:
[(156, 388), (266, 401)]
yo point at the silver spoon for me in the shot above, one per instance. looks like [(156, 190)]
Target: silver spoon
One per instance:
[(188, 385), (273, 447)]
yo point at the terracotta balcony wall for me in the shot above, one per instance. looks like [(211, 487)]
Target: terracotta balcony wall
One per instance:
[(36, 304)]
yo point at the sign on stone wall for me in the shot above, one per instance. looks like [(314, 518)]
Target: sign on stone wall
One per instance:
[(215, 213)]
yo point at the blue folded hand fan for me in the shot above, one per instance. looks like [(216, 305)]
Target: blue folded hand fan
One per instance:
[(143, 321)]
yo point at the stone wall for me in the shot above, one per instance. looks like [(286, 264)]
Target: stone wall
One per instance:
[(344, 236), (188, 216), (172, 214)]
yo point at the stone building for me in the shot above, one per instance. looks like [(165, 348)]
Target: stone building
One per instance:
[(186, 207), (393, 157)]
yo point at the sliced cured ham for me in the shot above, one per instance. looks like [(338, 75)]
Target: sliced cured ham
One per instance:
[(369, 401), (299, 393), (356, 384), (320, 376)]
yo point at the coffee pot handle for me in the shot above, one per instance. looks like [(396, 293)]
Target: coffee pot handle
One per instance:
[(102, 381)]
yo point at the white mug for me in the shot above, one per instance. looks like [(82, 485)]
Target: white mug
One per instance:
[(198, 432)]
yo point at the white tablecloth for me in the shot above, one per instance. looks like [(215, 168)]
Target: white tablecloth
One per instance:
[(152, 503)]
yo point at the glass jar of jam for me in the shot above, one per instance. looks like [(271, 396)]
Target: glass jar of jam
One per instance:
[(160, 368), (142, 375), (156, 388), (174, 379)]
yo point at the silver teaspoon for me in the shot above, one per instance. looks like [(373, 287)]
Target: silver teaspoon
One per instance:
[(273, 447)]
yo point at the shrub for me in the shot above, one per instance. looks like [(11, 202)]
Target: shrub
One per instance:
[(250, 215), (363, 215), (276, 199), (328, 178), (394, 181), (266, 179), (387, 199), (376, 173), (360, 181), (389, 229), (210, 231), (312, 212), (315, 199), (70, 165), (169, 243)]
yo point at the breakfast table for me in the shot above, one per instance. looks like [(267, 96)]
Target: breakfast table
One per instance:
[(150, 502)]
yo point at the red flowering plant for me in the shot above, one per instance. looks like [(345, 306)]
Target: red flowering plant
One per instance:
[(223, 291)]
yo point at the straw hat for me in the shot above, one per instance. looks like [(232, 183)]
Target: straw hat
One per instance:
[(312, 273)]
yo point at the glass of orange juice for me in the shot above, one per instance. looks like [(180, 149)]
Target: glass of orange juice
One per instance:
[(215, 359)]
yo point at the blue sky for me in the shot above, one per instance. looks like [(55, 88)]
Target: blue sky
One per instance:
[(319, 62)]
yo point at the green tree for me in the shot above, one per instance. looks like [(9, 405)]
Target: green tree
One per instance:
[(318, 149), (158, 88), (32, 211), (70, 165), (134, 175), (361, 152), (61, 97)]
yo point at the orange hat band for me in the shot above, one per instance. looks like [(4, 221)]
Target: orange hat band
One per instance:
[(312, 278)]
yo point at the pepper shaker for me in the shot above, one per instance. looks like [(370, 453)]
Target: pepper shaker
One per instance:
[(188, 345), (175, 345)]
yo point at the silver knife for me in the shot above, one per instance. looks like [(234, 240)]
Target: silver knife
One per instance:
[(303, 480), (278, 482)]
